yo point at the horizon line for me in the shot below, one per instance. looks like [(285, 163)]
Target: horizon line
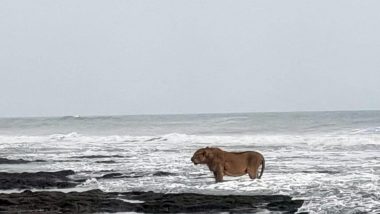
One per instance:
[(183, 114)]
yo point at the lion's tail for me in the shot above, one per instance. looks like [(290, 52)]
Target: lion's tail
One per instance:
[(262, 168)]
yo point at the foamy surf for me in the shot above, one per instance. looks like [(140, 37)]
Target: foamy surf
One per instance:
[(331, 172)]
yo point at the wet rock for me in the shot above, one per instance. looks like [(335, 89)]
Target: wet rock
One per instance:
[(134, 175), (118, 175), (153, 139), (162, 173), (10, 161), (42, 180), (107, 161), (98, 156), (322, 171), (291, 205), (17, 161), (112, 175), (189, 202), (96, 201)]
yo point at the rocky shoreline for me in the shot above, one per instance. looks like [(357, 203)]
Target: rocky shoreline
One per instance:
[(40, 180), (95, 201), (17, 161)]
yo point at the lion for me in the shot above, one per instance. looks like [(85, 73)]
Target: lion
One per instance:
[(230, 163)]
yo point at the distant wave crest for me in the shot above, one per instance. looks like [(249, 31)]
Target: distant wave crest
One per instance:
[(214, 140)]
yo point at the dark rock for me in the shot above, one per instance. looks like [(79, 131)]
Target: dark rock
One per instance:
[(112, 175), (63, 161), (43, 180), (96, 201), (91, 171), (153, 139), (188, 202), (107, 161), (162, 173), (291, 205), (17, 161), (10, 161), (322, 171), (98, 156), (118, 175)]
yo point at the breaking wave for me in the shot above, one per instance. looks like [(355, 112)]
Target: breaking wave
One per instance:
[(333, 172)]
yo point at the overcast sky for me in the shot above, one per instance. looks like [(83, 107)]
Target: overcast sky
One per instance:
[(90, 57)]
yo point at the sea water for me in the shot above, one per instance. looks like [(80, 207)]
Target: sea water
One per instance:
[(329, 159)]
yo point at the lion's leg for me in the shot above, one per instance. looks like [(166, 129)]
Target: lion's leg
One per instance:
[(218, 175), (252, 173)]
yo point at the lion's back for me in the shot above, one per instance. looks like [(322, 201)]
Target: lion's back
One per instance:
[(245, 158)]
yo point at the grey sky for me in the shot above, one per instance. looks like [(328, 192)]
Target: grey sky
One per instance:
[(141, 57)]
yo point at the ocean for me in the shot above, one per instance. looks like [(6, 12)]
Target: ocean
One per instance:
[(329, 159)]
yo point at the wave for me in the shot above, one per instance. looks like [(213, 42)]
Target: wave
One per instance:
[(71, 117), (309, 139), (369, 130)]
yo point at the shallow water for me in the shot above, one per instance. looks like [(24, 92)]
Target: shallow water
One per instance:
[(333, 171)]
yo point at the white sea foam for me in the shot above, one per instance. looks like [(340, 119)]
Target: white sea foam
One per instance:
[(332, 172)]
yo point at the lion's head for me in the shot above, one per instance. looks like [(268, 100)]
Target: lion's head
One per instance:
[(204, 155)]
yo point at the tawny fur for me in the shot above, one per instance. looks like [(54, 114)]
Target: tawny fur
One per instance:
[(230, 163)]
